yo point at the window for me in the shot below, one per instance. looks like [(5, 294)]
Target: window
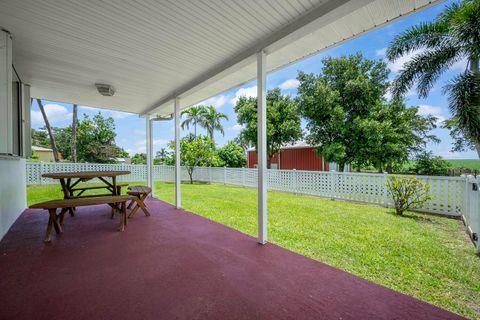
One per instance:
[(14, 105)]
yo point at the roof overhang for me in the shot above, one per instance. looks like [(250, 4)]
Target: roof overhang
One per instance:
[(152, 52)]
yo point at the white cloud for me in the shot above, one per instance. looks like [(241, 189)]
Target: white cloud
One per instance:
[(139, 132), (381, 52), (460, 65), (140, 146), (55, 113), (244, 92), (160, 142), (289, 84), (217, 101), (410, 92), (426, 109), (237, 127), (397, 65), (106, 112)]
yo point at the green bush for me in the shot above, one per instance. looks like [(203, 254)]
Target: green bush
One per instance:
[(428, 164), (407, 193)]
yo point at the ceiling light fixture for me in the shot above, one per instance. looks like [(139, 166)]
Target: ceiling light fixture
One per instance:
[(106, 90)]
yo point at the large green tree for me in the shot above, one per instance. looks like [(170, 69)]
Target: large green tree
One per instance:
[(283, 121), (194, 151), (139, 158), (390, 135), (454, 35), (232, 155), (40, 138), (95, 140), (336, 100)]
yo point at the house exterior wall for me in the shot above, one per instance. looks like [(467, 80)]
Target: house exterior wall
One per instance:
[(45, 156), (13, 187), (13, 192), (294, 158)]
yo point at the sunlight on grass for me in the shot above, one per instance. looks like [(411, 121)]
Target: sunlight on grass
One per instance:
[(425, 256)]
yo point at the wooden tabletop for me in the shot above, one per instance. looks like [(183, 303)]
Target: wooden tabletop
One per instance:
[(84, 174)]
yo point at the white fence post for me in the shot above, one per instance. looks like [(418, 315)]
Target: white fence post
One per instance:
[(243, 177), (385, 189), (332, 184), (40, 173), (225, 175), (294, 187)]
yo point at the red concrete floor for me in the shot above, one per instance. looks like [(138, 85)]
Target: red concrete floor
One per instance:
[(177, 265)]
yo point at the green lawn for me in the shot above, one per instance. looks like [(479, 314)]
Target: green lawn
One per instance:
[(425, 256), (470, 164)]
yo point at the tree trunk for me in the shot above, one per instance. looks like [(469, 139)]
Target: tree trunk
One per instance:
[(389, 168), (474, 68), (49, 129), (74, 133), (269, 162)]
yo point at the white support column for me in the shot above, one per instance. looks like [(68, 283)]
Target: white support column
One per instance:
[(178, 199), (149, 134), (262, 147)]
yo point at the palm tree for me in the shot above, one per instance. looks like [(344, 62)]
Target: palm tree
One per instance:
[(194, 117), (212, 121), (162, 155), (50, 131), (453, 36)]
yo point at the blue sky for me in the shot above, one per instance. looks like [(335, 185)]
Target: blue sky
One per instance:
[(131, 129)]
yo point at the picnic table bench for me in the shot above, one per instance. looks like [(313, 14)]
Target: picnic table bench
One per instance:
[(70, 180), (83, 189), (55, 220)]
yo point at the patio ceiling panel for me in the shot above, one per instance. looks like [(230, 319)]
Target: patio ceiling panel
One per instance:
[(152, 50), (340, 26)]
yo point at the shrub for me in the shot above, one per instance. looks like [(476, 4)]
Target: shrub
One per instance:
[(428, 164), (407, 193)]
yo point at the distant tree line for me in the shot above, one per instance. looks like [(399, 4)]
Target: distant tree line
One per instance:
[(93, 141)]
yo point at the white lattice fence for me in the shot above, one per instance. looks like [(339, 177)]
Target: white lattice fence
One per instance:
[(447, 193)]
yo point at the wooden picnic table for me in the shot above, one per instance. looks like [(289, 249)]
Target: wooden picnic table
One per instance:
[(69, 180)]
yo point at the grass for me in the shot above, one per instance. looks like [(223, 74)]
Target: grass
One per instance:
[(428, 257), (470, 164)]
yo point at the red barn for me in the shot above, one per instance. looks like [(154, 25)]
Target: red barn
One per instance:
[(299, 156)]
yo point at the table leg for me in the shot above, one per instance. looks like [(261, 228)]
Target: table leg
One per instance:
[(48, 233), (122, 217), (114, 183), (66, 194), (56, 224), (140, 204)]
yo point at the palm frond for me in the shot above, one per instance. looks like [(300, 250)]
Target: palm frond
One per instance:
[(425, 67), (464, 103), (424, 35)]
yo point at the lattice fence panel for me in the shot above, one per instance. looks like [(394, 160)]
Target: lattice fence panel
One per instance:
[(447, 193)]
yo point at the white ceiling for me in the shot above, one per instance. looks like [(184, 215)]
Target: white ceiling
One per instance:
[(152, 51)]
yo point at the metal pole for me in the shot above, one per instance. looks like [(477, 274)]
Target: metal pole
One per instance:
[(262, 147), (178, 199)]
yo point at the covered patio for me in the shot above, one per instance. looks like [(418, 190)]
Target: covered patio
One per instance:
[(156, 59), (177, 265)]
